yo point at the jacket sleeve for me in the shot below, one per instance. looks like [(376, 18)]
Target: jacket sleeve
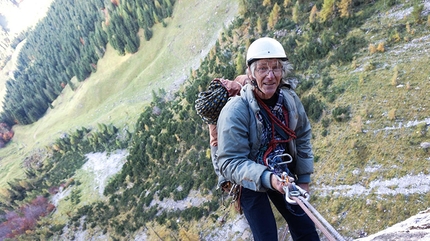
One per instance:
[(304, 154), (234, 147)]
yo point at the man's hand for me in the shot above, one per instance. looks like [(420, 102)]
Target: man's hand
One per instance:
[(276, 183)]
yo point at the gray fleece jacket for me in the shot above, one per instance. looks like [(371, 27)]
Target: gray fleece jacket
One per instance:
[(239, 139)]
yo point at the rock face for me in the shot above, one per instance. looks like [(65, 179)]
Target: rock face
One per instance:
[(412, 229)]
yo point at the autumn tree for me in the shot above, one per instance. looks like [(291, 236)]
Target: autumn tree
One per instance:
[(314, 14), (296, 13), (372, 48), (6, 134), (381, 47), (25, 218), (327, 10), (345, 8), (274, 16), (188, 235), (240, 64), (260, 27)]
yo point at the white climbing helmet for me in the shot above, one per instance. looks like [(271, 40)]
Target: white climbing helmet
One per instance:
[(265, 48)]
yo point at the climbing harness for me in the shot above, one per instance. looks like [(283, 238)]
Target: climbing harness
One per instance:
[(295, 195)]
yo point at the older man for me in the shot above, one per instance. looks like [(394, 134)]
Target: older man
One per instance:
[(265, 122)]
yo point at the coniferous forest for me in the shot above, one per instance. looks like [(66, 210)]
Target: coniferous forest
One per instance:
[(168, 149), (68, 43)]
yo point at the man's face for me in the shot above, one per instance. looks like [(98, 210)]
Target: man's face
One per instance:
[(268, 74)]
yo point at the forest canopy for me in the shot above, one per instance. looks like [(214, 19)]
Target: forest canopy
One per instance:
[(68, 43)]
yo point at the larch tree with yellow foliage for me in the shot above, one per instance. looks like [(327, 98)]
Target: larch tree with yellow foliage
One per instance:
[(260, 28), (188, 235), (327, 10), (274, 16), (345, 8), (381, 47), (240, 64), (267, 3), (295, 16), (314, 14)]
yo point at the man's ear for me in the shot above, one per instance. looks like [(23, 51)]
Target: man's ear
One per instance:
[(249, 73)]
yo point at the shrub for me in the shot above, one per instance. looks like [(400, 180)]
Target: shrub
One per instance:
[(313, 106), (344, 53), (305, 86), (394, 36), (391, 3), (369, 66), (325, 122), (381, 47), (421, 130), (324, 133), (341, 114), (392, 114), (416, 13), (331, 97), (372, 48)]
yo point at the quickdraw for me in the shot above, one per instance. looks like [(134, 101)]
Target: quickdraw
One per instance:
[(232, 190)]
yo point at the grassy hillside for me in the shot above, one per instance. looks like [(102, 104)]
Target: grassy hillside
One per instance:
[(122, 86), (378, 140)]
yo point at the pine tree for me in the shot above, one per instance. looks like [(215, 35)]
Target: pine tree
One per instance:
[(132, 43), (148, 34)]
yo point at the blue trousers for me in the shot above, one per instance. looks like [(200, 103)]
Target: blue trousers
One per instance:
[(258, 212)]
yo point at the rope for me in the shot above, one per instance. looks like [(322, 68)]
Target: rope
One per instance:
[(284, 236), (314, 219), (275, 120), (326, 224)]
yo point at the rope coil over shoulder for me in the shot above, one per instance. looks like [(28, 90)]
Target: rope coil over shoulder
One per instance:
[(209, 103)]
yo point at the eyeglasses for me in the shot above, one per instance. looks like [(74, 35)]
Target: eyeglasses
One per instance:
[(277, 70)]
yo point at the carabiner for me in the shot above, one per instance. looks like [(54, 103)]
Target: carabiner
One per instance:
[(295, 192), (284, 162)]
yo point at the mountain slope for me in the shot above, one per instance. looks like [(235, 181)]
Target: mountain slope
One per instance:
[(369, 111)]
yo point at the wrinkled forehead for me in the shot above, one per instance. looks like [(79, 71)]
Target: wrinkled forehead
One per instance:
[(268, 62)]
